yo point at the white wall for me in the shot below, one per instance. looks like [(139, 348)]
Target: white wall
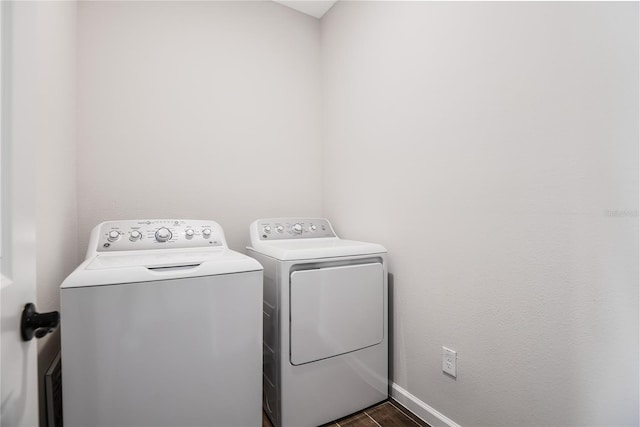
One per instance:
[(55, 121), (493, 148), (197, 110)]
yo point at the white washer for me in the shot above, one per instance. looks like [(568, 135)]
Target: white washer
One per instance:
[(325, 321), (162, 326)]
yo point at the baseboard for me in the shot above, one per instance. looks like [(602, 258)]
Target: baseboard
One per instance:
[(421, 409)]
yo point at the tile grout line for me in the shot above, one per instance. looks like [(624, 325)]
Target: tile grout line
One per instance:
[(372, 419), (401, 411)]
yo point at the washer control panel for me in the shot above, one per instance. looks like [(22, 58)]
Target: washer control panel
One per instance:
[(135, 235), (294, 228)]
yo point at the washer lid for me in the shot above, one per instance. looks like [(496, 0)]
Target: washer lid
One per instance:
[(287, 250), (147, 266)]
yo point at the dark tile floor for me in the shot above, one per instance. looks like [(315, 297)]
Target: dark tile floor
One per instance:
[(385, 414)]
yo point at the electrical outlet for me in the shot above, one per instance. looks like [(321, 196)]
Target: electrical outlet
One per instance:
[(449, 359)]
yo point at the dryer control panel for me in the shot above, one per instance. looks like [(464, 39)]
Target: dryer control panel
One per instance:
[(293, 228), (132, 235)]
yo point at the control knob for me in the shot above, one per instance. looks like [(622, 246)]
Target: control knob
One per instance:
[(189, 233), (206, 233), (267, 229), (313, 227), (297, 228), (279, 228), (163, 234), (113, 236), (135, 235)]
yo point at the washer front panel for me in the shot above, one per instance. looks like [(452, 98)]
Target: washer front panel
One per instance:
[(335, 311), (183, 352)]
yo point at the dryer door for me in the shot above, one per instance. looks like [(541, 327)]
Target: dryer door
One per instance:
[(335, 311)]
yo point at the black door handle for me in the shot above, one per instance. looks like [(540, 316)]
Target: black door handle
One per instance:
[(38, 324)]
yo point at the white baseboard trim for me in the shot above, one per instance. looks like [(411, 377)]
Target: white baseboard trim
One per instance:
[(421, 409)]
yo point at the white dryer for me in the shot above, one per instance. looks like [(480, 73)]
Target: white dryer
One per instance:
[(161, 326), (325, 321)]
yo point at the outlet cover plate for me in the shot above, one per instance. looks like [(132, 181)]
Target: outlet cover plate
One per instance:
[(449, 361)]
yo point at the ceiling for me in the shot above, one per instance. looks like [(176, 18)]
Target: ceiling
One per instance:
[(315, 8)]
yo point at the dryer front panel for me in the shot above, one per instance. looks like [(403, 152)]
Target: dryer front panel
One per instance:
[(335, 310)]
